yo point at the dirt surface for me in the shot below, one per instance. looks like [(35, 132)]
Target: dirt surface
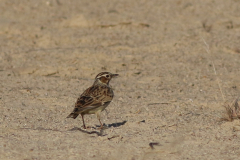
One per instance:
[(168, 92)]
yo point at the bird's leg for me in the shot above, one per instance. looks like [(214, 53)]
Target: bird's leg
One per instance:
[(101, 124), (83, 122), (98, 116)]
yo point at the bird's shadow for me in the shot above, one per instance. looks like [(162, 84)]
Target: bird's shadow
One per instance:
[(100, 132), (118, 124)]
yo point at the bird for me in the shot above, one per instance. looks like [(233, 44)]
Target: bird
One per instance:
[(94, 99)]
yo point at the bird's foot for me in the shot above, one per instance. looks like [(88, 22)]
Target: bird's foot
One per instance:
[(102, 127), (87, 127)]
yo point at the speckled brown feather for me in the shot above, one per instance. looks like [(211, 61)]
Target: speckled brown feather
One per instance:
[(93, 97)]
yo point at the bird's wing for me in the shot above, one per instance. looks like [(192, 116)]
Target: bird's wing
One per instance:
[(86, 98), (92, 98)]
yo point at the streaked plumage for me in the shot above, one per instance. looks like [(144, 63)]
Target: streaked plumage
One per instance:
[(96, 98)]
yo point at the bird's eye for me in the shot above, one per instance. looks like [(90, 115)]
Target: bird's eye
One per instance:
[(107, 76)]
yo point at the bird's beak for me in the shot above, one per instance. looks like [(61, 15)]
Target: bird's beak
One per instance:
[(114, 75)]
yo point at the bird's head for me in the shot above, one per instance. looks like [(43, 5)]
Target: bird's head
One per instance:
[(104, 77)]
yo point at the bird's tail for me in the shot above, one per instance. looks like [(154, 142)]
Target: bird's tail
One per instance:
[(73, 115)]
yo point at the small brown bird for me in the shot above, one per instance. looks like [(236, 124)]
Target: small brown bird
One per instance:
[(96, 98)]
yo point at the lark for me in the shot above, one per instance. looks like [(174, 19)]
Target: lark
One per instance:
[(94, 99)]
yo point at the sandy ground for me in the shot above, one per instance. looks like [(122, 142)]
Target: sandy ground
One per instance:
[(167, 92)]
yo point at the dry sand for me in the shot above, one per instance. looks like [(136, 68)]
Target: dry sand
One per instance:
[(167, 92)]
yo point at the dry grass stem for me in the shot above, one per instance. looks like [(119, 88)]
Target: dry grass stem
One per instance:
[(233, 110), (215, 72)]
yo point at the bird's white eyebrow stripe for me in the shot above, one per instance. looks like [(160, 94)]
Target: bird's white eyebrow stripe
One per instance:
[(102, 75)]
